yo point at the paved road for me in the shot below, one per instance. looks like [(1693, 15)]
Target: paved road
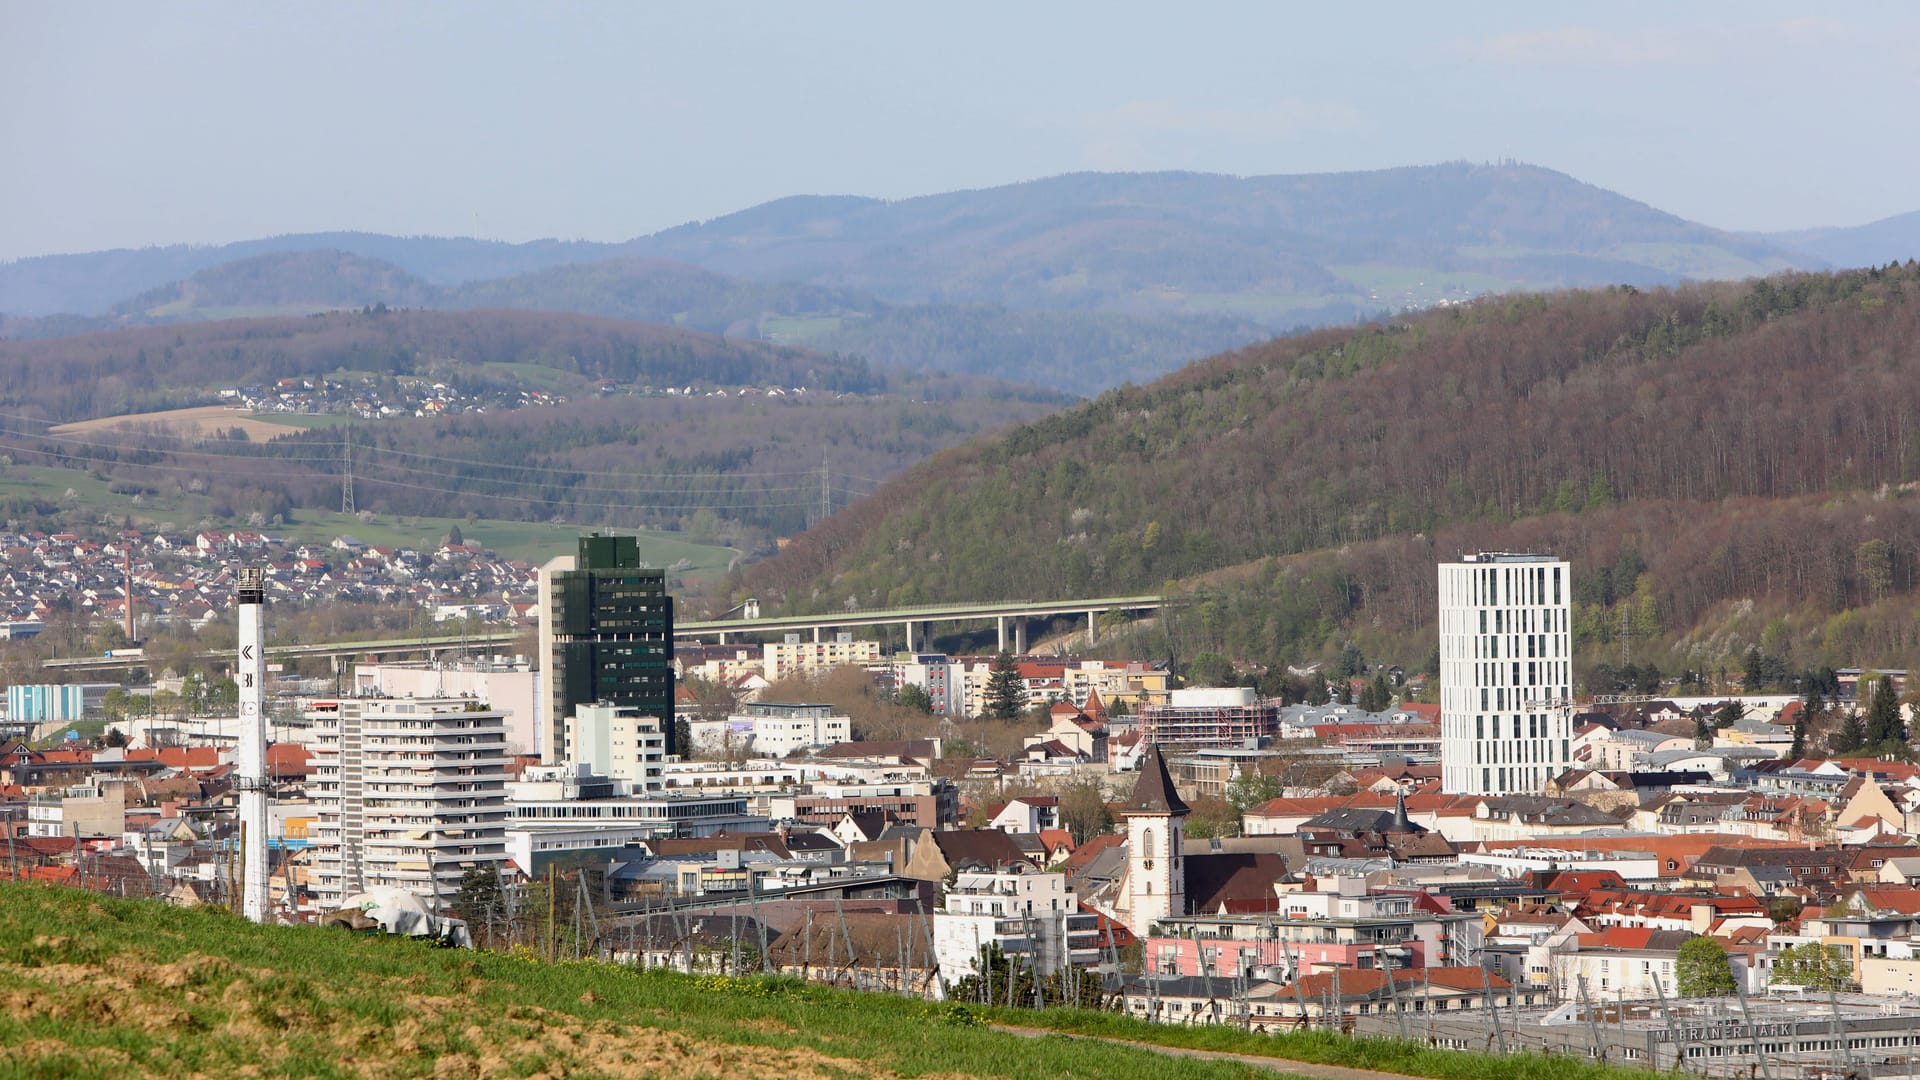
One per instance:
[(1283, 1066)]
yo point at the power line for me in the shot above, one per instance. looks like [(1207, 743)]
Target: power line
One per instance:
[(562, 500), (746, 498), (329, 457)]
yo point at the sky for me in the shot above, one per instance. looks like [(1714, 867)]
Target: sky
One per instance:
[(126, 125)]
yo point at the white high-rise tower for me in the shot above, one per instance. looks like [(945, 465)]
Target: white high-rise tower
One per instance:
[(250, 764), (1505, 668)]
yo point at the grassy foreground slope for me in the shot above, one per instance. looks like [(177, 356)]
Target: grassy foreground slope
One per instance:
[(100, 987)]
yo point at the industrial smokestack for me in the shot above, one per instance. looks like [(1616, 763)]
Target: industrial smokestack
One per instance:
[(251, 768)]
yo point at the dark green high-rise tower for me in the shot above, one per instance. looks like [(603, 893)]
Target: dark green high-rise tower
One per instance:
[(607, 632)]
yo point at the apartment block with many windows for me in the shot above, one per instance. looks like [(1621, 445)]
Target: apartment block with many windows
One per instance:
[(408, 792), (1505, 673)]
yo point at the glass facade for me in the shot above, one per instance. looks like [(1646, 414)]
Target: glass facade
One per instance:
[(612, 625)]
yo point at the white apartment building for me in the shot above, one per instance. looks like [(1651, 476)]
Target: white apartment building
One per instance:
[(1505, 663), (794, 656), (941, 676), (409, 792), (506, 683), (773, 729), (619, 744), (1032, 916)]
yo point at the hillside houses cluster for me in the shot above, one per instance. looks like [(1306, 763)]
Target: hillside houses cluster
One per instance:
[(376, 399), (186, 579)]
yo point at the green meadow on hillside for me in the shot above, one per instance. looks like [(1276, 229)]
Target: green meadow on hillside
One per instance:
[(96, 987)]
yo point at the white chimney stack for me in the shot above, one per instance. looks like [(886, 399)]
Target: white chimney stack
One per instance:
[(250, 770)]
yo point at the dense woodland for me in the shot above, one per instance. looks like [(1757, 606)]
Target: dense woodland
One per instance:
[(1747, 443), (1078, 352), (732, 468), (112, 373)]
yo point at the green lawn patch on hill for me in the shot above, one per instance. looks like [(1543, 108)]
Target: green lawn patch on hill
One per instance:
[(96, 987)]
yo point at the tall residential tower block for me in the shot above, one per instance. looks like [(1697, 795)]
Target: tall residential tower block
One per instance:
[(1505, 673), (606, 635)]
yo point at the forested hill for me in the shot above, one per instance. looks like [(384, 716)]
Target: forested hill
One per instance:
[(1078, 352), (109, 373), (589, 420), (1703, 421), (1269, 247)]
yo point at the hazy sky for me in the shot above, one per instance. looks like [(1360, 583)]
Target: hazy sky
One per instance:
[(133, 124)]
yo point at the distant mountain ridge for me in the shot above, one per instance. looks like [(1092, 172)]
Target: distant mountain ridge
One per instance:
[(995, 245), (1081, 281), (1115, 240), (1891, 239)]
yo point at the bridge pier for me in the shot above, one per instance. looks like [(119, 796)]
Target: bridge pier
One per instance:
[(1000, 624), (1093, 627), (911, 647), (816, 635), (1019, 636)]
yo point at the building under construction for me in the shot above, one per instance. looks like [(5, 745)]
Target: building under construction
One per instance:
[(1211, 716)]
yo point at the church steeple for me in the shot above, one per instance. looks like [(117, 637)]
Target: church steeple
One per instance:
[(1153, 792), (1156, 842)]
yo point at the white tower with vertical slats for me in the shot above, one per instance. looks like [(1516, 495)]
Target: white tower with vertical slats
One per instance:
[(250, 768), (1506, 660)]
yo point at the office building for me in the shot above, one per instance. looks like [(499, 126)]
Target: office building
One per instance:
[(409, 792), (1505, 672), (606, 632)]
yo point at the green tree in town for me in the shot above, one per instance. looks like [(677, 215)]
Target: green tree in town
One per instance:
[(913, 696), (1211, 816), (1702, 969), (1251, 787), (1376, 696), (1729, 713), (1006, 695), (1209, 669), (1886, 728), (1852, 734), (1351, 662), (1083, 810), (1814, 965)]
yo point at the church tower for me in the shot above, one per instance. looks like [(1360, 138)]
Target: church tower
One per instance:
[(1156, 847)]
